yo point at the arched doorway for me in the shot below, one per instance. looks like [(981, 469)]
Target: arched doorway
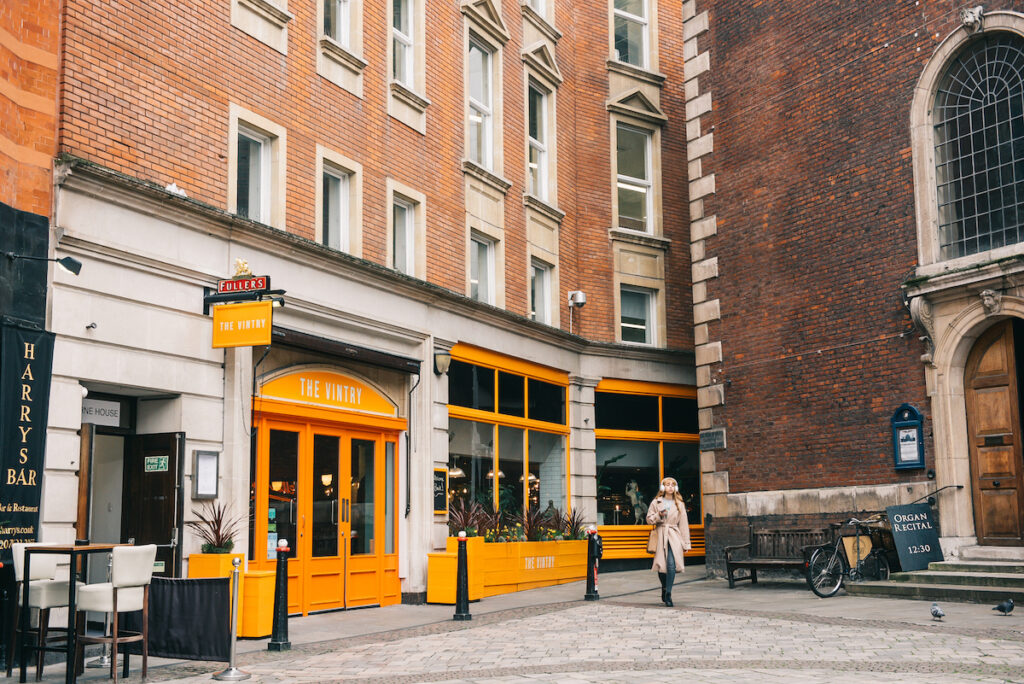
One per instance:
[(325, 478), (992, 394)]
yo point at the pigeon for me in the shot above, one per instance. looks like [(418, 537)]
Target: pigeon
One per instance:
[(1005, 607), (937, 613)]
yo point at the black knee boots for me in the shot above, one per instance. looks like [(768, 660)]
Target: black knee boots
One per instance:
[(663, 578)]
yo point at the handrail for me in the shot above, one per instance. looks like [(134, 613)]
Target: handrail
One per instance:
[(932, 494)]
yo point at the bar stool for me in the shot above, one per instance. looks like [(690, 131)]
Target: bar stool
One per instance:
[(127, 591), (44, 593)]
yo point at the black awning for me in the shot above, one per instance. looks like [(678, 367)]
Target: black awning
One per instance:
[(286, 337)]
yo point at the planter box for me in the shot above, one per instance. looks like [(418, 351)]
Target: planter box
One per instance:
[(503, 567)]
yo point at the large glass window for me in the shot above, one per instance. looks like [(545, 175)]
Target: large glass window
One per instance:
[(471, 462), (540, 291), (628, 476), (526, 467), (682, 461), (389, 497), (325, 495), (979, 147), (633, 154), (282, 516), (631, 32), (480, 104), (613, 411)]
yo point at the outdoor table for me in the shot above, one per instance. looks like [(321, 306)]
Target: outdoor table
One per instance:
[(74, 551)]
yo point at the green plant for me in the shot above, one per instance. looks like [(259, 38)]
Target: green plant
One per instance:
[(573, 525), (216, 527), (534, 521), (466, 518)]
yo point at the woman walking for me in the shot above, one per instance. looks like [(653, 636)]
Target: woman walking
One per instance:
[(672, 535)]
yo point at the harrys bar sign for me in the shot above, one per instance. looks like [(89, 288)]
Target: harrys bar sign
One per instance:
[(25, 366), (250, 284)]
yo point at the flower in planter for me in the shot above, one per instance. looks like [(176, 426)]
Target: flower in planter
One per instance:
[(215, 527)]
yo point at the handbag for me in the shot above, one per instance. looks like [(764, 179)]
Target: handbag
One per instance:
[(652, 541)]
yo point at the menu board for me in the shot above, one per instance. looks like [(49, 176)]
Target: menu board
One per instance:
[(441, 491)]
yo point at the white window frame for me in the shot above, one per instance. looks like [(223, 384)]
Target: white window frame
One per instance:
[(263, 185), (539, 183), (629, 182), (405, 38), (646, 32), (650, 325), (545, 271), (409, 229), (272, 165), (488, 277), (343, 33), (485, 110), (539, 6), (343, 211)]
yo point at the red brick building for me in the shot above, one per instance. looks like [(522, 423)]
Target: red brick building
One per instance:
[(855, 244), (424, 180)]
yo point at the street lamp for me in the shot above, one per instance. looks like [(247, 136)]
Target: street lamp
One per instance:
[(69, 264)]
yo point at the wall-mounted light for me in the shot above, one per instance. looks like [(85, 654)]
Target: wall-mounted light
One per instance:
[(326, 479), (442, 361), (69, 264)]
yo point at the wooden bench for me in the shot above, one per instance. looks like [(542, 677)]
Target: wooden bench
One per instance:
[(772, 550)]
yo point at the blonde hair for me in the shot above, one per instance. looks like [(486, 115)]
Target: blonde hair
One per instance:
[(676, 496)]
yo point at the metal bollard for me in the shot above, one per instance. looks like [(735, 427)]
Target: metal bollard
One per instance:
[(279, 633), (462, 583), (232, 673), (595, 549)]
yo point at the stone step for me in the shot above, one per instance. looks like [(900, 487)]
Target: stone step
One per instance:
[(936, 592), (992, 553), (996, 567), (1008, 581)]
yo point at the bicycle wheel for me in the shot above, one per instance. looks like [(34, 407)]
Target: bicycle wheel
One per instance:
[(883, 566), (825, 572)]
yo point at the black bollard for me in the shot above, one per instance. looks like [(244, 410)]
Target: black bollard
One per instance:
[(462, 583), (595, 549), (279, 633)]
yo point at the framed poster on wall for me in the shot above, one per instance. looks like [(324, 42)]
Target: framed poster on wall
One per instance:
[(205, 474)]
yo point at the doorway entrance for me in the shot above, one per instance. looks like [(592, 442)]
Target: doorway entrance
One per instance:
[(329, 491), (992, 394), (130, 489)]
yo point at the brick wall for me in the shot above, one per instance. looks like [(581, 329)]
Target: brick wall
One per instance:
[(29, 37), (816, 232), (147, 88)]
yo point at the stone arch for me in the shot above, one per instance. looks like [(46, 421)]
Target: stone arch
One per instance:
[(949, 411)]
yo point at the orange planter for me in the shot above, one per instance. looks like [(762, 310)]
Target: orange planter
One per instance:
[(503, 567), (219, 565)]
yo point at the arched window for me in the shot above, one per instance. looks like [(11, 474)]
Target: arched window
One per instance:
[(978, 119)]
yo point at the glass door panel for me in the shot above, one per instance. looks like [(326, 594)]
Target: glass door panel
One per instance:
[(363, 496), (326, 449), (282, 493)]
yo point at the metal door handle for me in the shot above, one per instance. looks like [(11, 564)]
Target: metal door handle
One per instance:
[(996, 483), (334, 511)]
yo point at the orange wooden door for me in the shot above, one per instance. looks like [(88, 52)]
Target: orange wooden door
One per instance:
[(324, 520), (994, 435)]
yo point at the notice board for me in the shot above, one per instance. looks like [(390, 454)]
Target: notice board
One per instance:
[(440, 491)]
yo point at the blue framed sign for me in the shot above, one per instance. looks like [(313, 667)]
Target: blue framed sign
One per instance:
[(907, 438)]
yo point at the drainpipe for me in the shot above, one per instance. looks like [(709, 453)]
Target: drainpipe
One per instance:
[(408, 452)]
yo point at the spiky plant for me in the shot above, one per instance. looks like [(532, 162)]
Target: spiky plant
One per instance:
[(573, 524), (465, 517), (216, 527)]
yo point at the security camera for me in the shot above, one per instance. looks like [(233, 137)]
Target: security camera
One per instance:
[(577, 298)]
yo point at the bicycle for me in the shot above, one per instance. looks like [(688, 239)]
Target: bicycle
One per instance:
[(829, 566)]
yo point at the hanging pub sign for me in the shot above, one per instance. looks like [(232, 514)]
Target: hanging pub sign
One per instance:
[(26, 358), (244, 284), (907, 438), (242, 325)]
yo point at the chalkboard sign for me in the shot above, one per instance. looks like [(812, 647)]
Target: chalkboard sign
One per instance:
[(915, 536), (441, 491)]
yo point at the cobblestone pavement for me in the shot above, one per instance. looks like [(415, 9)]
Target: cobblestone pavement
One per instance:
[(636, 640)]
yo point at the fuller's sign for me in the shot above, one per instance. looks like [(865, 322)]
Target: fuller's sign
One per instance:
[(242, 325), (25, 364), (250, 284)]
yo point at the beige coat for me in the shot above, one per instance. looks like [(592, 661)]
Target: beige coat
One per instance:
[(673, 531)]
